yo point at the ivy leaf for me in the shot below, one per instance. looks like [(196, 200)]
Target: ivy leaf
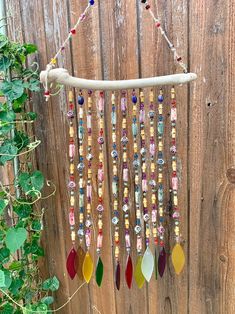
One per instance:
[(36, 225), (15, 238), (31, 115), (3, 41), (4, 63), (37, 180), (4, 255), (2, 279), (51, 284), (12, 90), (21, 140), (24, 181), (16, 286), (22, 210), (8, 151), (17, 103), (7, 116), (48, 300), (30, 48), (34, 85), (7, 309), (3, 205), (16, 266)]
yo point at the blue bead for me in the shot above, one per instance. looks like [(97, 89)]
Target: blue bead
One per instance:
[(161, 219), (134, 99), (92, 2), (160, 98), (80, 100)]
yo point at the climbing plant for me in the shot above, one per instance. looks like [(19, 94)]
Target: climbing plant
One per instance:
[(21, 217)]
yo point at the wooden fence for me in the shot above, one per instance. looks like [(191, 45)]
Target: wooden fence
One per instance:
[(117, 41)]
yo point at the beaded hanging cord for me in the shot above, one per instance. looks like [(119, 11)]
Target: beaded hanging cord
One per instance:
[(148, 203)]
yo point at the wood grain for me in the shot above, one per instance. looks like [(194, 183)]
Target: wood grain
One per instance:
[(118, 40)]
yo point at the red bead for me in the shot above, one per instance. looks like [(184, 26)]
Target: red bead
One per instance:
[(147, 7), (73, 31), (47, 93), (158, 24), (71, 209), (101, 94), (161, 243), (100, 200), (179, 59), (156, 241)]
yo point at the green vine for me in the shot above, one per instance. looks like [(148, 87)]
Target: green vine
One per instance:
[(21, 288)]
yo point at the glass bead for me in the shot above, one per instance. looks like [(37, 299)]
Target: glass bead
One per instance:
[(80, 100), (137, 229), (115, 220), (92, 2), (134, 99)]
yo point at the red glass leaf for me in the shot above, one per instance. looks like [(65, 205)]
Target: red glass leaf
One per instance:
[(118, 276), (162, 262), (129, 271), (70, 264)]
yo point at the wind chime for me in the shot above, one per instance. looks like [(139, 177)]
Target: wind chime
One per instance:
[(146, 156)]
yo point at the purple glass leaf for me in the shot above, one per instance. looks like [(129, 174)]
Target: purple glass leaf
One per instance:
[(70, 264), (129, 271), (162, 262), (118, 276)]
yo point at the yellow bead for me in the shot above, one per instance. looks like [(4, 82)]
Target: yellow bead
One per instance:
[(71, 131), (70, 96), (72, 201), (151, 96), (71, 168), (73, 236), (141, 96), (53, 61)]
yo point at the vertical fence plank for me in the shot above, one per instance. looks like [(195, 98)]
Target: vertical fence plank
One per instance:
[(211, 156)]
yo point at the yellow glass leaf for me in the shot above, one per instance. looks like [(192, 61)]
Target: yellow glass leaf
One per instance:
[(139, 278), (87, 267), (178, 258)]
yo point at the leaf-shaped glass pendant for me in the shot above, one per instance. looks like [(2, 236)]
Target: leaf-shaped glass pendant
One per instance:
[(178, 258), (99, 272), (118, 276), (129, 271), (162, 262), (70, 263), (147, 264), (139, 278), (87, 267), (79, 262)]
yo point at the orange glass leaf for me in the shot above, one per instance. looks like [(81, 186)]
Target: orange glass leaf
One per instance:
[(79, 262), (87, 267), (70, 263), (139, 278), (129, 271), (178, 258)]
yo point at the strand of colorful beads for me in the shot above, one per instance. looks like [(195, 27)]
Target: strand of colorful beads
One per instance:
[(147, 264), (89, 158), (178, 258), (115, 219), (160, 163), (153, 184), (70, 264), (100, 207), (125, 175), (139, 278)]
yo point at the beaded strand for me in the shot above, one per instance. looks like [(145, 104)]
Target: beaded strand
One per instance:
[(178, 258), (125, 177), (160, 192), (115, 218), (70, 264)]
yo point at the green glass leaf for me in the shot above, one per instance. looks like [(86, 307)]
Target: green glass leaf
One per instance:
[(15, 238), (3, 205), (147, 264), (2, 279), (139, 278), (99, 272)]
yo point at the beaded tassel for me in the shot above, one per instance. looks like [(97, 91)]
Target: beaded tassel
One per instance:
[(178, 258), (160, 163), (100, 207), (147, 264), (115, 219), (139, 278), (70, 264), (125, 177)]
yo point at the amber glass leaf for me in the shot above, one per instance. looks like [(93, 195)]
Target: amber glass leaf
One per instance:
[(79, 262), (162, 262), (178, 258), (118, 276), (70, 263), (129, 271), (87, 267), (139, 278), (99, 272), (147, 265)]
